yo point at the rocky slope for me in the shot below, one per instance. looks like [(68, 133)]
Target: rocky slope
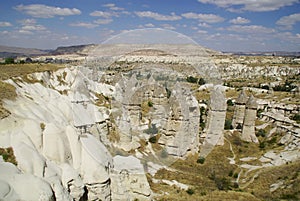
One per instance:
[(92, 132), (54, 130)]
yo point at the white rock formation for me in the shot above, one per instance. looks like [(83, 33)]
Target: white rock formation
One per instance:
[(128, 181), (239, 110), (215, 121), (248, 132), (56, 140)]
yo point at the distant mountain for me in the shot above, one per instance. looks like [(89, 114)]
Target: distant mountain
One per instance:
[(75, 49), (6, 51), (274, 53)]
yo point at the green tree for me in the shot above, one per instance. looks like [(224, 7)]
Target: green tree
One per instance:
[(9, 60)]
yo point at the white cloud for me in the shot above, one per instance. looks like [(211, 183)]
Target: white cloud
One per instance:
[(109, 5), (103, 21), (239, 20), (202, 32), (29, 26), (167, 26), (44, 11), (157, 16), (112, 6), (5, 24), (83, 24), (252, 5), (104, 14), (289, 21), (254, 29), (150, 25), (34, 27), (25, 22), (208, 18), (203, 24)]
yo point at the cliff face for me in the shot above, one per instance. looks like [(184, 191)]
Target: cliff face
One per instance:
[(55, 129)]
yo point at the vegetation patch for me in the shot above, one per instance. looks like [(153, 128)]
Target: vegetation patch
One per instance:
[(8, 155)]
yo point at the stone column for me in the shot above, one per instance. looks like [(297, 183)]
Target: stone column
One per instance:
[(216, 120), (239, 110), (248, 132)]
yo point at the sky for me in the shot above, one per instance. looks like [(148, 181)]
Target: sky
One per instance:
[(223, 25)]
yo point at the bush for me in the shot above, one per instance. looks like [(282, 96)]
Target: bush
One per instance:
[(273, 140), (229, 102), (259, 111), (191, 79), (153, 139), (239, 126), (222, 184), (9, 60), (201, 160), (201, 81), (150, 104), (152, 130), (190, 191), (227, 125), (261, 132), (168, 92), (265, 87), (262, 145), (202, 125), (296, 118)]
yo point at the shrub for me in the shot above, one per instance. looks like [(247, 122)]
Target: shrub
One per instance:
[(202, 125), (262, 145), (236, 185), (259, 111), (168, 92), (201, 81), (273, 140), (229, 102), (9, 60), (153, 139), (201, 160), (222, 184), (164, 154), (227, 125), (150, 104), (239, 126), (190, 191), (265, 87), (152, 129), (191, 79), (261, 132), (296, 118)]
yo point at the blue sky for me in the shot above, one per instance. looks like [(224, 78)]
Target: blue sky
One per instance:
[(224, 25)]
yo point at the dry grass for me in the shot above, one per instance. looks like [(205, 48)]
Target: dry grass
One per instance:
[(290, 176), (8, 155), (14, 70), (202, 95), (202, 178), (7, 91)]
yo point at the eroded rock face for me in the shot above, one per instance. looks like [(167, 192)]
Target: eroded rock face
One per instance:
[(239, 110), (216, 120), (60, 133), (248, 132), (180, 133), (128, 180), (15, 185)]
